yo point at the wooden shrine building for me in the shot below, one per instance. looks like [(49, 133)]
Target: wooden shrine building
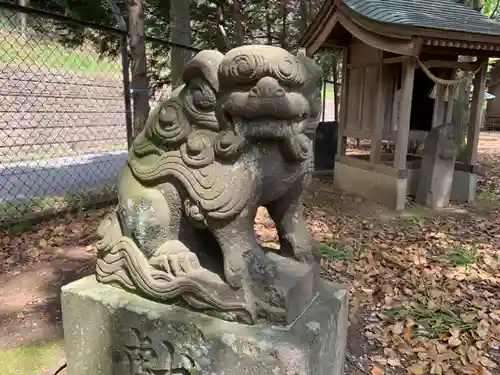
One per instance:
[(492, 117), (396, 53)]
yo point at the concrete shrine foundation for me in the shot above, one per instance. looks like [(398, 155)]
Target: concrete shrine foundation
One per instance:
[(389, 187), (109, 331)]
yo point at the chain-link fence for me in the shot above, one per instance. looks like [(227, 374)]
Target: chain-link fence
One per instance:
[(63, 133), (66, 109), (65, 112)]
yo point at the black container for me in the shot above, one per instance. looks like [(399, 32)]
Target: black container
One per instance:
[(325, 146)]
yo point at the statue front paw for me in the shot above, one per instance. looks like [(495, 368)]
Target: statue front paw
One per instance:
[(175, 258), (233, 271)]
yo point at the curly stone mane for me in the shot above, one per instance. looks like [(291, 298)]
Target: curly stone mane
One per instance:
[(187, 122), (182, 140)]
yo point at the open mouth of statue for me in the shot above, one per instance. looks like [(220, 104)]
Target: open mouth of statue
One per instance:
[(265, 127)]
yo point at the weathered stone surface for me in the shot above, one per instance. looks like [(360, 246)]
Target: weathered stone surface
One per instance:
[(292, 287), (438, 167), (109, 331), (234, 137)]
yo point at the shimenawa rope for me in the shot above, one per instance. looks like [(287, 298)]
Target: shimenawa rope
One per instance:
[(448, 82)]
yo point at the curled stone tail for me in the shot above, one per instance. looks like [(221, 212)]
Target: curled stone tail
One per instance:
[(122, 263)]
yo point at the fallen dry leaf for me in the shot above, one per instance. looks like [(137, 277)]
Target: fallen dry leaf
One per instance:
[(380, 360), (484, 371), (436, 368), (271, 245), (441, 348), (454, 341), (486, 362), (394, 362), (376, 370), (483, 329), (468, 370), (473, 355), (398, 328), (419, 368), (468, 318)]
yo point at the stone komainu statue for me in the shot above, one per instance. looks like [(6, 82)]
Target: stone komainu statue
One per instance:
[(234, 137)]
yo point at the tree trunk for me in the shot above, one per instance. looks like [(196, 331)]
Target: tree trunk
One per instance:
[(304, 16), (269, 25), (139, 82), (238, 23), (461, 107), (221, 40), (180, 35), (284, 24)]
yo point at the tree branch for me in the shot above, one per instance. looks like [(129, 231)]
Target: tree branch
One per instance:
[(495, 10)]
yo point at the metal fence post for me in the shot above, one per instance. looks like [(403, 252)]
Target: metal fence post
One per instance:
[(126, 89)]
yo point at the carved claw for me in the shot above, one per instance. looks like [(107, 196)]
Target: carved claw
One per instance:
[(233, 270), (176, 264), (174, 258)]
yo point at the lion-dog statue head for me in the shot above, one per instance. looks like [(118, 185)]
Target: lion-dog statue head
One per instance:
[(228, 102), (267, 93)]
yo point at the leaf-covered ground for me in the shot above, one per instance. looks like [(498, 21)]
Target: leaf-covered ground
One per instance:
[(424, 286)]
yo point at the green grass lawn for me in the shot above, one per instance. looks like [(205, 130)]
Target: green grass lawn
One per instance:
[(31, 359), (23, 51)]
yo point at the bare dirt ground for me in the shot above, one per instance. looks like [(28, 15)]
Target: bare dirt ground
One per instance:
[(423, 285)]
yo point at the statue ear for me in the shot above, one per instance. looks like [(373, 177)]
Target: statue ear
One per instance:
[(204, 65)]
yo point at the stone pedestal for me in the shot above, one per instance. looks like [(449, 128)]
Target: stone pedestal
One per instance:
[(438, 167), (464, 187), (109, 331)]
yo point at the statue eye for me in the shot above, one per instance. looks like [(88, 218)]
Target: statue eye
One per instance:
[(204, 98)]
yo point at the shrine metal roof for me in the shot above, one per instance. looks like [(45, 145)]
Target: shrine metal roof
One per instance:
[(448, 15)]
